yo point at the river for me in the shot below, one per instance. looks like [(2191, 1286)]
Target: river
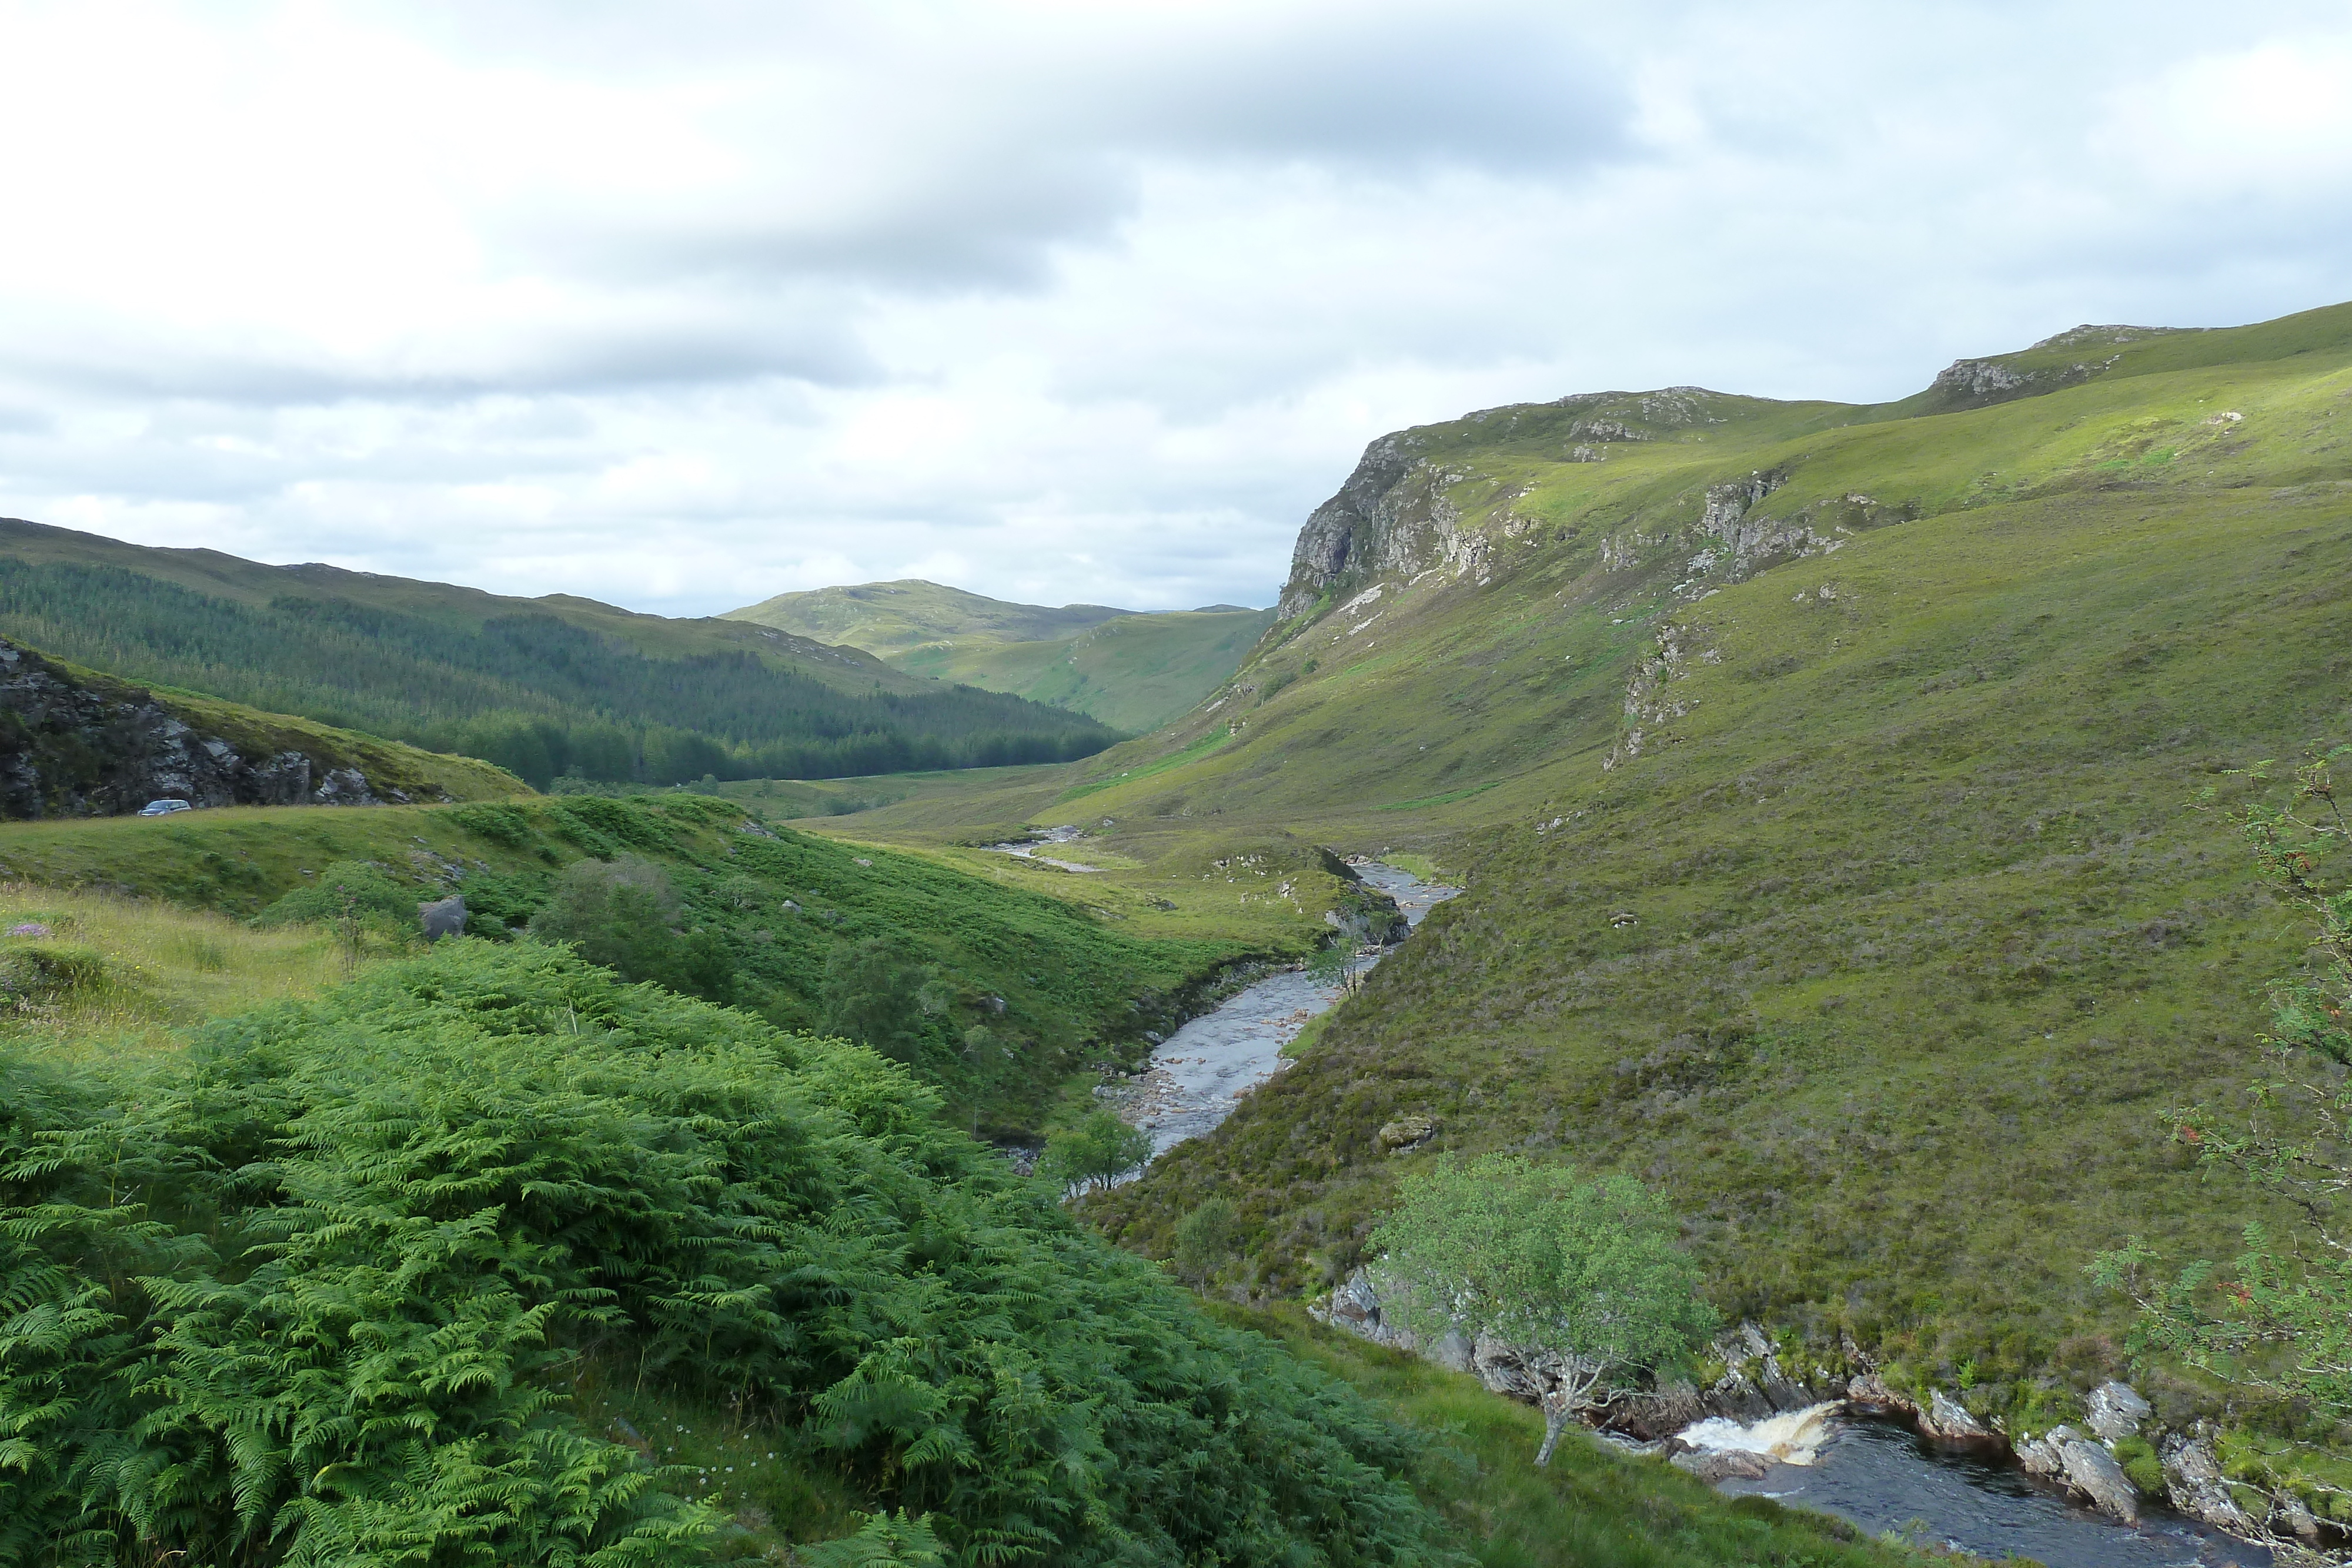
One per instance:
[(1200, 1072), (1881, 1474)]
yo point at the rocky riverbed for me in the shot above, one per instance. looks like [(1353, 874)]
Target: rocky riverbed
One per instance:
[(1916, 1462)]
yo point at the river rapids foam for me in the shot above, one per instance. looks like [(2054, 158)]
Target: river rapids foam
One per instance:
[(1795, 1438)]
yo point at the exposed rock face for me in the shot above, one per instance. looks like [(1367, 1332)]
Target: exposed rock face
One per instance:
[(1948, 1418), (76, 745), (1356, 529), (2193, 1479), (1975, 383), (2094, 1473), (2115, 1410)]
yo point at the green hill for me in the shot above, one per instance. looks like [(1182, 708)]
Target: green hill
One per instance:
[(541, 686), (1826, 780), (1131, 671), (888, 617), (76, 743), (1135, 672)]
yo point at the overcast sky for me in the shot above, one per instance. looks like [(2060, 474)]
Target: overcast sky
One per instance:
[(682, 304)]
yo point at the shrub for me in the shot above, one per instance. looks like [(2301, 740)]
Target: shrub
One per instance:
[(491, 1166), (1204, 1240), (876, 997), (33, 973), (359, 891), (498, 824), (621, 914)]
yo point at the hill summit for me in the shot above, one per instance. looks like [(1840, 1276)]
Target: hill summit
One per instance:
[(1132, 670)]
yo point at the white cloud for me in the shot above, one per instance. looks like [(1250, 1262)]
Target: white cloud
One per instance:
[(1050, 300)]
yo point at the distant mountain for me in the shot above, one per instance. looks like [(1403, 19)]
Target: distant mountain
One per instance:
[(543, 686), (1129, 670), (890, 618)]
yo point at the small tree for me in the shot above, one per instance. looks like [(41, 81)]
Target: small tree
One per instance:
[(1094, 1155), (1204, 1238), (1341, 962), (1584, 1278), (874, 993)]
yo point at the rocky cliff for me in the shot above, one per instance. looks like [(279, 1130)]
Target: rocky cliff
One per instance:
[(77, 744)]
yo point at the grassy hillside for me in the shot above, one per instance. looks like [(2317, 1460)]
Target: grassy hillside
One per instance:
[(1826, 783), (75, 742), (1135, 672), (1131, 672), (543, 686), (1059, 974)]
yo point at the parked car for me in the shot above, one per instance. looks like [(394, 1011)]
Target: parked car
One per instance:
[(164, 807)]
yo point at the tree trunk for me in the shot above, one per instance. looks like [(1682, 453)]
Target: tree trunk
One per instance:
[(1555, 1403)]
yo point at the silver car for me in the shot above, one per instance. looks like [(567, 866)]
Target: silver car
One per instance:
[(164, 807)]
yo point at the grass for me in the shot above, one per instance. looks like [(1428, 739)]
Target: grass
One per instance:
[(165, 969), (1066, 972), (1129, 776), (1593, 1507)]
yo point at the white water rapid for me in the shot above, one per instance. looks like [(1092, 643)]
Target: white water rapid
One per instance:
[(1795, 1438)]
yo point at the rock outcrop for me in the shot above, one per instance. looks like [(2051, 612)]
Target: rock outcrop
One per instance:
[(76, 744), (2194, 1483), (1946, 1418), (2115, 1410)]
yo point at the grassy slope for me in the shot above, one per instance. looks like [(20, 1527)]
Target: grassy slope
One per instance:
[(1135, 672), (1084, 965), (1924, 933), (164, 969), (389, 765), (769, 1485)]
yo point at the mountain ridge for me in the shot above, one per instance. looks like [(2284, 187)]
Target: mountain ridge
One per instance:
[(541, 686)]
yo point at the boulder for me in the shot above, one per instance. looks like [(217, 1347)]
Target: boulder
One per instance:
[(2094, 1472), (442, 917), (2288, 1513), (1405, 1133), (1715, 1466), (1946, 1418), (2040, 1456), (2193, 1479), (1355, 1306), (2115, 1410)]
